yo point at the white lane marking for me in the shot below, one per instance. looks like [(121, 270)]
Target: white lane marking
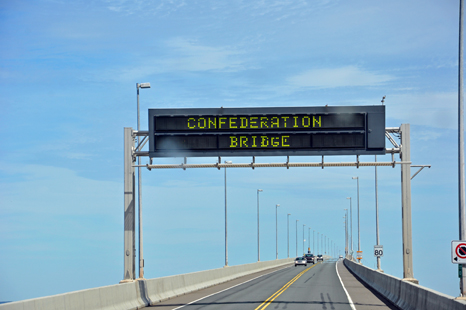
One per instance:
[(226, 289), (347, 295)]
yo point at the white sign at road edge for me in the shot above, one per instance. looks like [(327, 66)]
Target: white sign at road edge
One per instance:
[(458, 252), (378, 250)]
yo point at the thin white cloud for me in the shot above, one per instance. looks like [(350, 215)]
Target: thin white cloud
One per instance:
[(432, 109), (130, 7), (283, 9), (348, 76), (192, 56), (184, 55), (70, 193)]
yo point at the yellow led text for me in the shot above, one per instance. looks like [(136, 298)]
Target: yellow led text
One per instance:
[(253, 122), (259, 141)]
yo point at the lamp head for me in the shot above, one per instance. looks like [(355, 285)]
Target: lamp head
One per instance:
[(277, 205), (259, 190), (144, 85), (355, 178)]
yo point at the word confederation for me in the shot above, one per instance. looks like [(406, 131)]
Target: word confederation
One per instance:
[(254, 122)]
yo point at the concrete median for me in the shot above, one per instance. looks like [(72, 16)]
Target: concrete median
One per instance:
[(141, 293), (404, 294)]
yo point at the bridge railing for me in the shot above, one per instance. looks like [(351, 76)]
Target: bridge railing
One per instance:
[(404, 294)]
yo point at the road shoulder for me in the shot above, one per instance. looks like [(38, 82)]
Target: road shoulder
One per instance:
[(364, 297)]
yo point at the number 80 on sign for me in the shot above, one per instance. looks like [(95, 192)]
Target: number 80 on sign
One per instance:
[(378, 250)]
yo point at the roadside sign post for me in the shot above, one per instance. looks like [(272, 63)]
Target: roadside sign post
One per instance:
[(378, 250), (359, 255), (458, 252)]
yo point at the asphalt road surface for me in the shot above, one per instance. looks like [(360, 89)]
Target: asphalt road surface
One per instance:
[(316, 286)]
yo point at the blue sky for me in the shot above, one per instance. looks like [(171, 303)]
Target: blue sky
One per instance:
[(68, 71)]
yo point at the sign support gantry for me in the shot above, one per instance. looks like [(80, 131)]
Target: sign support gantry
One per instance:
[(131, 152)]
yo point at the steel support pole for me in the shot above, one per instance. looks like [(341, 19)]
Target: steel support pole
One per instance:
[(288, 232), (359, 228), (406, 205), (377, 239), (276, 231), (129, 208), (351, 225), (461, 177), (258, 237), (226, 221)]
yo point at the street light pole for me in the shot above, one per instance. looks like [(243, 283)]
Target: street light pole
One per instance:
[(325, 244), (318, 248), (303, 238), (461, 176), (297, 237), (258, 238), (226, 221), (309, 239), (314, 242), (351, 226), (141, 256), (346, 233), (276, 231), (359, 233), (322, 243), (288, 232)]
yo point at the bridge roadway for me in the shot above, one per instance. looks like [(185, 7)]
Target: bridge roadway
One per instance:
[(292, 288)]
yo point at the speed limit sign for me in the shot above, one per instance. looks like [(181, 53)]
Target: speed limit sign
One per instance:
[(378, 250)]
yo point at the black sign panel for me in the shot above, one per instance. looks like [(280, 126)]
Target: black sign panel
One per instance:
[(267, 131)]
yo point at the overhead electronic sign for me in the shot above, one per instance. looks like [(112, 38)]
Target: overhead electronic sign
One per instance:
[(356, 130)]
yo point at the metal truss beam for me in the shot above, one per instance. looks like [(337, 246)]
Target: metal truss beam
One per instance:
[(273, 165)]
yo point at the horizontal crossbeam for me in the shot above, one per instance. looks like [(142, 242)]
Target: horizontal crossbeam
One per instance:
[(272, 165)]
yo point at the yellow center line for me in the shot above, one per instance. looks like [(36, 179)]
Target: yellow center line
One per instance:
[(269, 300)]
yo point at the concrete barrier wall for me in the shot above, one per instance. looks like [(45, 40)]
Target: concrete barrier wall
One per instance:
[(139, 294), (115, 297), (404, 294), (168, 287)]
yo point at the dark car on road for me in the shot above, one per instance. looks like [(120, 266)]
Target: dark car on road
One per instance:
[(320, 257), (310, 258)]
